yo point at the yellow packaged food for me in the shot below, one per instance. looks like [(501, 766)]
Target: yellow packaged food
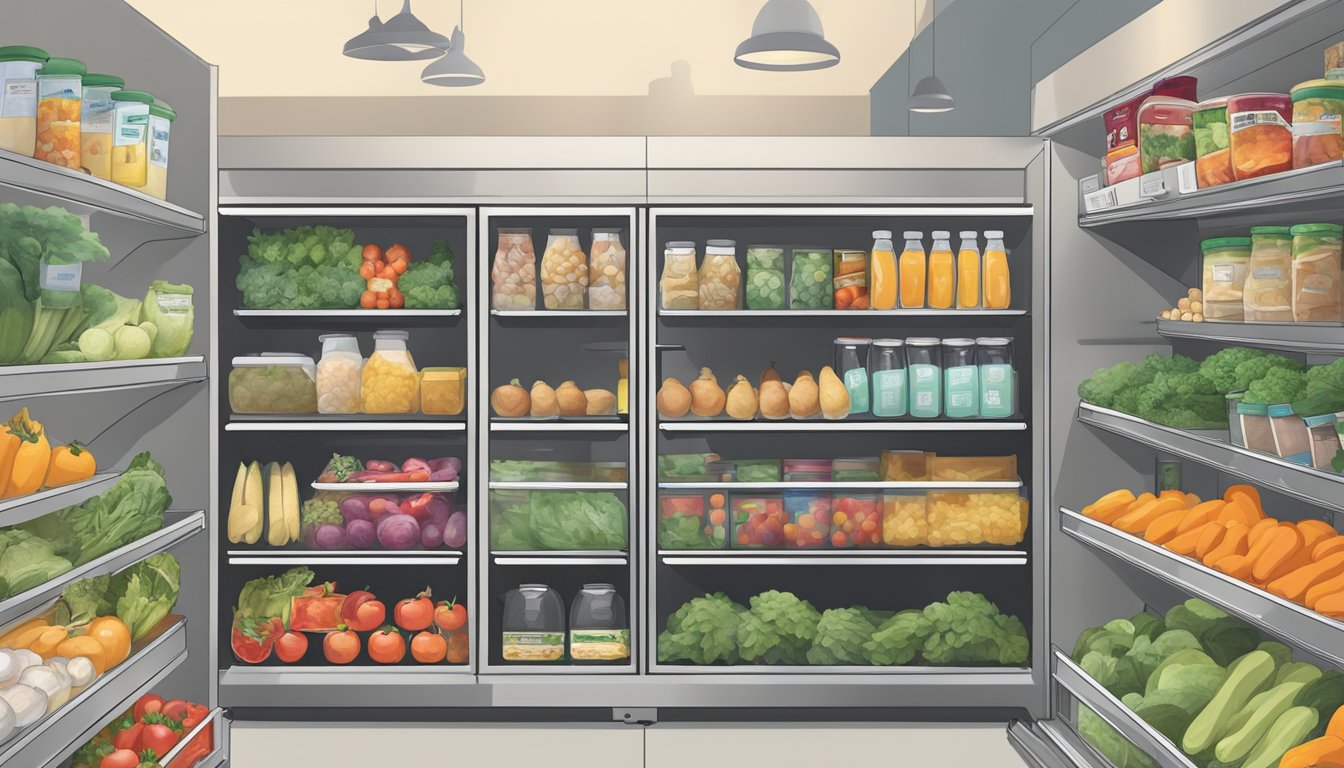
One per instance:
[(1316, 273), (905, 520), (443, 391), (564, 271), (906, 466), (1268, 293), (960, 519), (391, 382), (974, 469)]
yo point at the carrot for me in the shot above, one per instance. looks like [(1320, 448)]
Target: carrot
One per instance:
[(1191, 501), (1286, 541), (1137, 522), (1241, 510), (1236, 566), (1200, 514), (1163, 529), (1331, 606), (1209, 541), (1111, 506), (1246, 489), (1327, 548), (1315, 531), (1323, 588), (1172, 493), (1313, 753), (1260, 529), (1294, 585), (1184, 544), (1233, 543), (368, 300)]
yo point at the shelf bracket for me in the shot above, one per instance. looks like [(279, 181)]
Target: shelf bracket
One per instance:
[(635, 715)]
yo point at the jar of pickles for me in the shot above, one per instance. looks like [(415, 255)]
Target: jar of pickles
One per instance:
[(720, 277), (96, 118), (606, 271), (513, 276), (130, 165), (18, 109), (161, 117), (59, 98), (390, 382), (338, 374), (564, 270), (809, 523)]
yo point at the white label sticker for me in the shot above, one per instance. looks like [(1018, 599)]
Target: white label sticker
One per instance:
[(19, 99), (174, 302), (96, 116), (1224, 273), (1267, 273), (60, 277), (158, 141), (1244, 120), (1152, 185), (1100, 200), (130, 128)]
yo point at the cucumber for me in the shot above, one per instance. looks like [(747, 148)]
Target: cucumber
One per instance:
[(1297, 672), (1239, 744), (1289, 730), (1246, 677), (1238, 720)]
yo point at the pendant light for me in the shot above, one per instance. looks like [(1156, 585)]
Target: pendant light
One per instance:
[(930, 95), (787, 37), (454, 69), (401, 38)]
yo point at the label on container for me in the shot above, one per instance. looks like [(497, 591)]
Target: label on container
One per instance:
[(1327, 124), (1267, 273), (599, 644), (1243, 120), (1100, 200), (19, 99), (130, 127), (856, 381), (158, 140), (888, 393), (533, 646), (996, 391), (960, 391), (925, 391), (60, 88), (60, 277), (97, 115), (174, 302), (1224, 273)]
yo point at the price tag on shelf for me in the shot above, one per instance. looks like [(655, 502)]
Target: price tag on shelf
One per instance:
[(1090, 184), (1100, 200), (1186, 179), (1152, 185)]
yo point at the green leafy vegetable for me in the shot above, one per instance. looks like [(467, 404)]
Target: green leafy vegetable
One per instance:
[(841, 636), (702, 631), (146, 592), (1194, 616), (87, 599), (430, 284), (1324, 391), (1108, 741), (778, 629), (1233, 369), (560, 520), (16, 312), (27, 561), (270, 596), (1278, 385), (684, 465), (898, 640), (301, 268), (968, 629), (683, 532)]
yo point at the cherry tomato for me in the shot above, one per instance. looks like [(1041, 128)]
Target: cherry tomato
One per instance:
[(414, 613), (450, 616), (159, 738), (290, 647), (429, 648), (252, 644), (362, 611), (372, 252), (458, 648), (340, 646), (150, 702), (122, 758), (387, 646)]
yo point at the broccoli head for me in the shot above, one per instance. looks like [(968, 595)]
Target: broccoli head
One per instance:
[(1278, 385), (1233, 369), (1103, 386), (1324, 390), (1184, 401)]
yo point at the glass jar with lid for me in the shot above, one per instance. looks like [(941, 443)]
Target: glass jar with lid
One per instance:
[(513, 274), (998, 379), (338, 374), (851, 365), (60, 97), (606, 271), (1316, 273), (130, 165), (564, 271), (96, 119), (1268, 293), (961, 379), (598, 628), (1261, 134), (1226, 262), (161, 117), (680, 283), (924, 371), (390, 382), (273, 382), (18, 109), (720, 277), (886, 367), (533, 624)]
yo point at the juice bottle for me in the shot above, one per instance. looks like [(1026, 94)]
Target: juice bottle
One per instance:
[(942, 272), (882, 292), (998, 292), (913, 268), (968, 272)]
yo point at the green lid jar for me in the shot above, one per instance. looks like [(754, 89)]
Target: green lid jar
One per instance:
[(26, 53), (18, 108)]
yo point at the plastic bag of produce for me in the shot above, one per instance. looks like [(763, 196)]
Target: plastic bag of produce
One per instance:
[(720, 277), (564, 270), (680, 284), (513, 278), (169, 308), (765, 277), (810, 283), (606, 271)]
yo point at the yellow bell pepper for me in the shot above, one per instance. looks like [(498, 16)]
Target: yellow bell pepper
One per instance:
[(70, 464), (9, 447), (32, 457)]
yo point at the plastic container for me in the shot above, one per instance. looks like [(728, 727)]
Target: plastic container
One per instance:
[(991, 517), (97, 117), (533, 624), (721, 471), (130, 160), (884, 283), (1121, 165), (968, 271), (606, 271), (273, 383), (998, 286), (997, 377), (851, 363), (857, 470), (680, 283), (973, 469), (688, 521), (1168, 476), (1166, 133), (18, 107), (1317, 106), (515, 471), (810, 281), (886, 369), (764, 289), (905, 519), (1122, 134), (1268, 294), (598, 629), (961, 379), (913, 271), (1227, 261), (906, 466), (338, 374), (942, 272), (758, 521), (443, 391), (1261, 134), (924, 371), (851, 280), (391, 382), (513, 276), (161, 117), (856, 520), (758, 471), (60, 96), (809, 525), (685, 467), (1213, 155), (1316, 273), (720, 277), (608, 471), (564, 271), (1323, 438), (1291, 440), (1235, 434), (807, 470), (1255, 427)]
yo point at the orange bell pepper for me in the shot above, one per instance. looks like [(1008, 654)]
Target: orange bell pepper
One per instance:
[(32, 457), (70, 464)]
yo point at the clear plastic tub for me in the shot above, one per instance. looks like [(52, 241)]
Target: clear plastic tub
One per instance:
[(758, 471), (18, 108), (1261, 134), (856, 470), (97, 117), (680, 282), (273, 383), (161, 117), (391, 382), (1255, 427), (1317, 138), (1291, 440), (1213, 156), (993, 517), (685, 467), (1324, 440), (443, 391), (809, 525), (806, 470), (513, 276), (1316, 273), (60, 97), (1166, 134), (765, 285), (533, 624), (598, 629), (905, 519), (338, 374), (1267, 296), (1233, 420), (685, 521), (856, 519), (722, 471), (606, 271), (851, 280), (720, 277), (924, 371), (1227, 261), (886, 367), (130, 156), (758, 521), (973, 469), (906, 466), (810, 279), (564, 271)]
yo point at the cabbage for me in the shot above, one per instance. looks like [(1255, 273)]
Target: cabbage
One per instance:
[(779, 628), (132, 343), (168, 306), (96, 345)]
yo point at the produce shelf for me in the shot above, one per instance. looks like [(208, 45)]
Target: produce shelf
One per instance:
[(1322, 338), (828, 557), (843, 425), (446, 487), (569, 557), (21, 509), (25, 382), (219, 737), (58, 735), (89, 194), (561, 425), (344, 557), (1087, 691), (848, 313), (554, 313), (855, 486), (1050, 744), (345, 426), (178, 527), (1323, 489), (419, 686), (558, 486), (376, 315), (1285, 620)]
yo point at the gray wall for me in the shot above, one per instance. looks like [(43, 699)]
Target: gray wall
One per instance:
[(990, 54)]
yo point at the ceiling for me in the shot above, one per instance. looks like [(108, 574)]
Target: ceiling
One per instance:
[(276, 48)]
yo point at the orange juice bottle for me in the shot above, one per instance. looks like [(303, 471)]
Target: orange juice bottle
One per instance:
[(968, 272), (913, 268), (998, 292), (942, 272), (882, 292)]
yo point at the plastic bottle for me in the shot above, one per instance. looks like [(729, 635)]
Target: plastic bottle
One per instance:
[(942, 272), (914, 267), (968, 272), (882, 293), (998, 292)]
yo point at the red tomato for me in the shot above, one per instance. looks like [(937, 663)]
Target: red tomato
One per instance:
[(290, 647), (340, 646), (450, 616), (372, 252), (129, 738), (429, 648), (414, 613), (122, 758), (176, 709), (387, 646), (159, 738), (252, 644), (148, 703), (362, 612)]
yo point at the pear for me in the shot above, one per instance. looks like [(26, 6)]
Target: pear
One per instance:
[(544, 403), (742, 401), (774, 399), (834, 395), (572, 400), (804, 400), (707, 398), (674, 400)]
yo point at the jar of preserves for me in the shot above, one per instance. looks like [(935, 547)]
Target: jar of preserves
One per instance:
[(564, 271), (273, 383), (161, 117), (1213, 157), (338, 374), (18, 108), (1316, 273), (606, 271), (96, 119), (1226, 262), (810, 280), (720, 277), (1317, 138), (391, 382), (598, 629), (1261, 134), (130, 164), (443, 391), (765, 277), (513, 276), (60, 87), (680, 283), (1268, 293)]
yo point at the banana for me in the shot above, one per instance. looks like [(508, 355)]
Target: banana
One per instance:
[(235, 523), (277, 528), (290, 485), (254, 497)]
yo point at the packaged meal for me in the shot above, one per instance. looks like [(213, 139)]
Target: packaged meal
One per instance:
[(564, 271), (720, 277), (1317, 137), (1267, 296), (1226, 263), (851, 280), (273, 383), (958, 519), (905, 519), (1261, 134), (1316, 273), (513, 277), (810, 282), (1213, 155), (765, 277), (606, 271), (680, 283), (1166, 134)]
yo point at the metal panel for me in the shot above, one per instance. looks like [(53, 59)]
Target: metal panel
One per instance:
[(467, 187), (30, 381), (834, 153), (914, 187), (382, 153), (370, 687), (1311, 338), (21, 509)]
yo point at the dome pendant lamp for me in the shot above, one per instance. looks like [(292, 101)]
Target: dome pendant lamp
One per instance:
[(930, 95), (454, 69), (787, 37), (401, 38)]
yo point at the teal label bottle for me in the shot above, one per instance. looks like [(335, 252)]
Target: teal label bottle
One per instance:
[(998, 398)]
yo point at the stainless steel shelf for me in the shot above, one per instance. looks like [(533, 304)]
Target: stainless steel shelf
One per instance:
[(848, 313), (31, 381), (855, 486), (1087, 691), (1323, 489), (843, 425), (1288, 621), (830, 557), (552, 425), (89, 194), (58, 735), (569, 557), (388, 315), (419, 686), (344, 557), (1042, 749), (1322, 338), (21, 509), (346, 426), (178, 527), (554, 313), (557, 486), (219, 739)]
